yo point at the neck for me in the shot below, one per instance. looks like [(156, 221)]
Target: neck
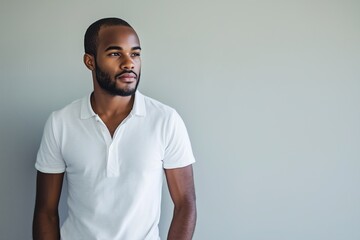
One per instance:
[(105, 104)]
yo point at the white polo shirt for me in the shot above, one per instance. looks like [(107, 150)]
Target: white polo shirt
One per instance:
[(114, 184)]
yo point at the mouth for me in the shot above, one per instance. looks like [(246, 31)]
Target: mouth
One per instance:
[(127, 77)]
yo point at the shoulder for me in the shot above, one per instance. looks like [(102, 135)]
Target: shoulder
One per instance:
[(154, 106), (70, 111), (163, 114)]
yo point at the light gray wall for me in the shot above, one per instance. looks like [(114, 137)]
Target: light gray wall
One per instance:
[(269, 90)]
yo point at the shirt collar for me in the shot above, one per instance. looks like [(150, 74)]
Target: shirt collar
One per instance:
[(138, 109)]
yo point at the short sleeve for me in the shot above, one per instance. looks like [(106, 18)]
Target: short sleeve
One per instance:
[(178, 151), (49, 158)]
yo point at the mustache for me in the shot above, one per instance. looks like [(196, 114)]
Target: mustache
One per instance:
[(126, 71)]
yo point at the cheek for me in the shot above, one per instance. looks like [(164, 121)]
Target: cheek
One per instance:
[(110, 67), (103, 65), (138, 61), (138, 64)]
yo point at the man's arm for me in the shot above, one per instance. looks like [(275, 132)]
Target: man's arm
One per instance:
[(46, 217), (181, 186)]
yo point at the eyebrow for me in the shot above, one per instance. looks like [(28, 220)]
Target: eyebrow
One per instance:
[(120, 48)]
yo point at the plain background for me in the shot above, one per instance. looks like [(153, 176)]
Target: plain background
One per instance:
[(269, 91)]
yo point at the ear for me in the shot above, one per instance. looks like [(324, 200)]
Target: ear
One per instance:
[(89, 61)]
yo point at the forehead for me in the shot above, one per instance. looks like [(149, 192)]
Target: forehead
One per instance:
[(121, 36)]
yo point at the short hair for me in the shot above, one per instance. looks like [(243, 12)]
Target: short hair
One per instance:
[(92, 33)]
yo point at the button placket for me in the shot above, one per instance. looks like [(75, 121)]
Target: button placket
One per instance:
[(104, 132), (113, 161), (112, 168)]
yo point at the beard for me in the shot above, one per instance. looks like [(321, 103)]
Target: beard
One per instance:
[(106, 83)]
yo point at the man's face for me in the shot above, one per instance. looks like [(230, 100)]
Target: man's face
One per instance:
[(118, 63)]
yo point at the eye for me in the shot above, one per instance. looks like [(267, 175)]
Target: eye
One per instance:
[(114, 54), (135, 54)]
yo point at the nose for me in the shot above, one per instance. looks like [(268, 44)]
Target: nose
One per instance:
[(127, 63)]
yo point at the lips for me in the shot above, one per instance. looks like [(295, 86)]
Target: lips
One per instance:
[(126, 77)]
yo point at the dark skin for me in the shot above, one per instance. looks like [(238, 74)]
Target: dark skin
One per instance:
[(46, 216), (181, 187), (118, 49)]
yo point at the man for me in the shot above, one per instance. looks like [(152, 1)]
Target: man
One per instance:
[(114, 147)]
